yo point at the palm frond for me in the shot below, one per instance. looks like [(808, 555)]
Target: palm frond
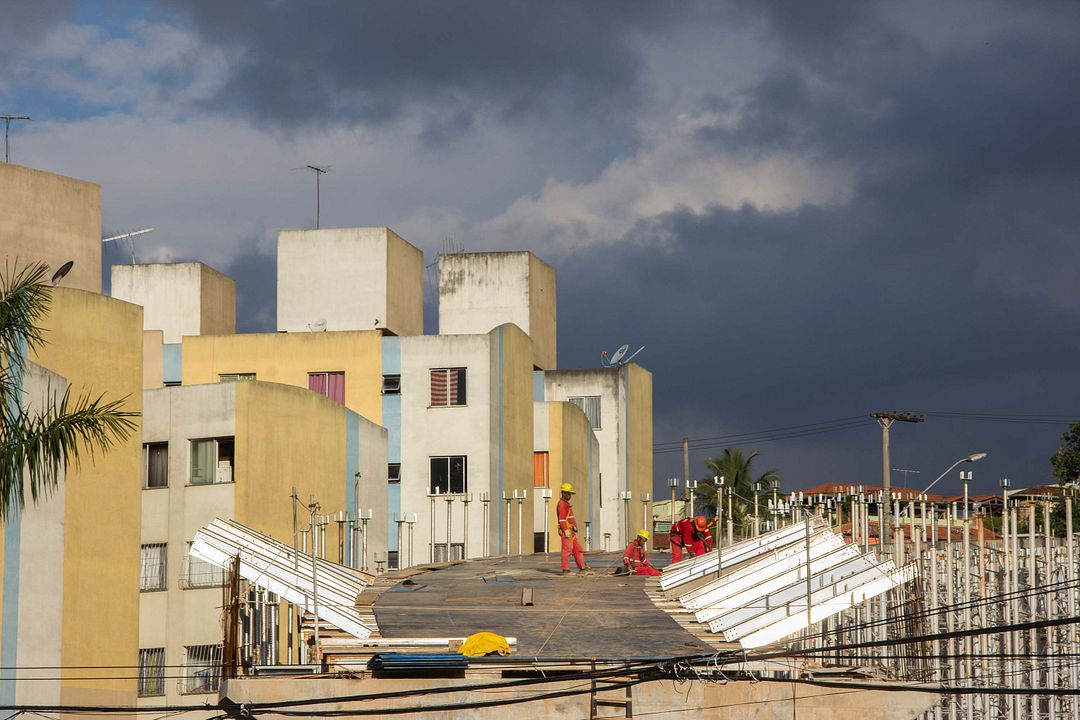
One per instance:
[(45, 444), (24, 302)]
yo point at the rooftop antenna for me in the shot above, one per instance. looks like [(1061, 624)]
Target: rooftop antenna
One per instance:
[(7, 132), (61, 272), (319, 171), (130, 236)]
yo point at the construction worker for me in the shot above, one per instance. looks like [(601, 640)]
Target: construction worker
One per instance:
[(568, 530), (634, 559), (693, 536)]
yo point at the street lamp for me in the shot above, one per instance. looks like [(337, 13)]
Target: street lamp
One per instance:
[(973, 457)]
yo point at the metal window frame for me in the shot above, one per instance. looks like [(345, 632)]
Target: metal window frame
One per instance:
[(162, 573), (151, 682), (464, 475)]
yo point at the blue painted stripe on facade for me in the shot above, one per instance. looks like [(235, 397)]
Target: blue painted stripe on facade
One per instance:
[(171, 362), (391, 420), (352, 466), (393, 500), (9, 618), (538, 385), (502, 382)]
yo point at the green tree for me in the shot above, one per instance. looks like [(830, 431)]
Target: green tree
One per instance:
[(36, 447), (1066, 461), (737, 470)]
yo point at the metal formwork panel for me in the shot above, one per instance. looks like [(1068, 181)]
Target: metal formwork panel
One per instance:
[(732, 555), (761, 569), (278, 568)]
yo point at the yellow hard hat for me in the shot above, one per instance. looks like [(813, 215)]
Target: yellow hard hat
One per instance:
[(643, 534), (566, 487)]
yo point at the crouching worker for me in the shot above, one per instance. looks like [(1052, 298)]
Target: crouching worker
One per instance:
[(634, 559), (691, 535)]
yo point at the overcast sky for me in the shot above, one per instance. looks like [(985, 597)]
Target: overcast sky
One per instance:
[(805, 211)]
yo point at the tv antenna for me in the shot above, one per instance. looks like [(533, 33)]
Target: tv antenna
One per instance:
[(319, 171), (130, 237), (619, 357), (7, 132)]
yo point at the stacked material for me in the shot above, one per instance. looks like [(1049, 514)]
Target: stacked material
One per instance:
[(412, 665), (325, 589), (760, 594)]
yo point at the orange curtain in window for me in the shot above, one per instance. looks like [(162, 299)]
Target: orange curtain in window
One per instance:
[(540, 469)]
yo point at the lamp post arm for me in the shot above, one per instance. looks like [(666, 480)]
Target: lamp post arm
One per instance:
[(950, 469)]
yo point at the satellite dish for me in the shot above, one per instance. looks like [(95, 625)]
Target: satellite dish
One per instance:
[(618, 354), (64, 270), (318, 326)]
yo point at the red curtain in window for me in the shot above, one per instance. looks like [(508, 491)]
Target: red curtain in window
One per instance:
[(438, 387), (316, 382), (540, 469), (335, 387)]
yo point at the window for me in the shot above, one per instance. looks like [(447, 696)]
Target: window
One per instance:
[(328, 384), (156, 465), (212, 461), (449, 475), (151, 672), (200, 574), (447, 387), (393, 472), (152, 571), (457, 552), (171, 383), (233, 377), (591, 405), (202, 668), (392, 560), (391, 384), (540, 470)]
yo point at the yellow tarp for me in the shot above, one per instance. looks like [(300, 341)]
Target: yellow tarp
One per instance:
[(484, 643)]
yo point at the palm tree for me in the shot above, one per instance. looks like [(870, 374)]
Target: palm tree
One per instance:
[(736, 469), (42, 444)]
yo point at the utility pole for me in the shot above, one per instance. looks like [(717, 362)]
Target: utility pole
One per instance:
[(686, 459), (885, 419), (7, 132)]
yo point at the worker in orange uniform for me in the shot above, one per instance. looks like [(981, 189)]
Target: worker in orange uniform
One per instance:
[(634, 559), (568, 530), (693, 536)]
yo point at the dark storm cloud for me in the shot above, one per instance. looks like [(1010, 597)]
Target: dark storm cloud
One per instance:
[(942, 284), (313, 64), (22, 24)]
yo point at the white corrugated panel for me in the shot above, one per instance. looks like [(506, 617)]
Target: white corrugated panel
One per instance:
[(276, 567), (732, 555)]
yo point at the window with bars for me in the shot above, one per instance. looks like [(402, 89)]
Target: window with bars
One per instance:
[(449, 475), (156, 465), (152, 573), (457, 552), (235, 377), (448, 387), (328, 384), (202, 668), (151, 672), (212, 461), (591, 405), (200, 574)]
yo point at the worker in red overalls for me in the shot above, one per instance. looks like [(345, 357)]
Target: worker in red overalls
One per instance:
[(690, 535), (634, 559), (568, 530)]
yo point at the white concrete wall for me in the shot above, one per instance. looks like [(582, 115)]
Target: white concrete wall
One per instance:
[(480, 291), (373, 485), (178, 298), (176, 618), (541, 443), (41, 566), (610, 438), (428, 432), (340, 275)]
